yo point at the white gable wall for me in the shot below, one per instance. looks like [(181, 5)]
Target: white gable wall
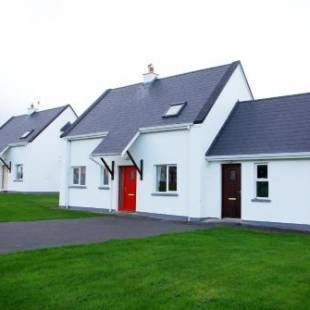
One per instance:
[(202, 136)]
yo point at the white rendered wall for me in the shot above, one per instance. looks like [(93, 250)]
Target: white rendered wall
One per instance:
[(158, 149), (154, 149), (90, 196), (1, 177), (18, 155), (288, 190), (41, 159), (202, 136)]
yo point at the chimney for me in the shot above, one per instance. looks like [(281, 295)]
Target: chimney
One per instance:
[(151, 76), (32, 109)]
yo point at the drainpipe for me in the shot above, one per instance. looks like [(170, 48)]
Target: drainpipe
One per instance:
[(188, 173), (111, 196), (67, 173)]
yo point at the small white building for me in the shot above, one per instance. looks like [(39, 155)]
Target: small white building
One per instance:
[(258, 167), (31, 150), (187, 147)]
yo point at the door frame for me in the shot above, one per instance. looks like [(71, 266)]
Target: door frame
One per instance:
[(120, 187), (222, 186)]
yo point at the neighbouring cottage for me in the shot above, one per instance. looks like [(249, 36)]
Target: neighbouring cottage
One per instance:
[(191, 146), (31, 150)]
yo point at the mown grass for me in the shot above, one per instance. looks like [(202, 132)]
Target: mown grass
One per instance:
[(220, 268), (26, 207)]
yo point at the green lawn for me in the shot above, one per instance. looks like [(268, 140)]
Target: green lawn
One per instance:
[(220, 268), (22, 207)]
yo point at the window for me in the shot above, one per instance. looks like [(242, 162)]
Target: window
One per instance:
[(174, 109), (166, 178), (104, 177), (262, 182), (19, 172), (26, 134), (79, 175)]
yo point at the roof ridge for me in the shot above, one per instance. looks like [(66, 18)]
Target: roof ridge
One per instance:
[(199, 70), (179, 74), (275, 97), (60, 107)]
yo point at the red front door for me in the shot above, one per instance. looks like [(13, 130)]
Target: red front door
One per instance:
[(127, 188)]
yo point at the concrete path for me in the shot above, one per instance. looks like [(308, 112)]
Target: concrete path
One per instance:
[(19, 236), (272, 226)]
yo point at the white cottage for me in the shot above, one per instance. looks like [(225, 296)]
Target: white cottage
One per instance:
[(31, 149), (141, 148)]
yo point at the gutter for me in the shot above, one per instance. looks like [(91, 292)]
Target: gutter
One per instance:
[(301, 155), (87, 136), (185, 126), (4, 150), (17, 144)]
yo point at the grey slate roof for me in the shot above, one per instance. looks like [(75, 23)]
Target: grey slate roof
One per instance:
[(16, 126), (266, 126), (122, 111)]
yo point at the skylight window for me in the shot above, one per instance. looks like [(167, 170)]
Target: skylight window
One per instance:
[(174, 109), (26, 134)]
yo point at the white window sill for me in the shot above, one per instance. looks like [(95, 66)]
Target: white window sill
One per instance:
[(267, 200), (165, 194), (105, 187), (78, 186), (18, 180)]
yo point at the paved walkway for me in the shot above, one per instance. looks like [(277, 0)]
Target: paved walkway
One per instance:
[(274, 226), (19, 236)]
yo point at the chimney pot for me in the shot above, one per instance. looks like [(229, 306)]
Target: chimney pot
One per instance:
[(150, 76), (32, 109)]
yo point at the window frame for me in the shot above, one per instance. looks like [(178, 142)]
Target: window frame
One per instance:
[(26, 134), (257, 179), (17, 178), (167, 191), (79, 175), (104, 170), (182, 106)]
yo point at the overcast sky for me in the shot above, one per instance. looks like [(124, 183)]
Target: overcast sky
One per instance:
[(61, 52)]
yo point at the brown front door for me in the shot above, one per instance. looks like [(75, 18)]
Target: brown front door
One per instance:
[(128, 188), (231, 190)]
